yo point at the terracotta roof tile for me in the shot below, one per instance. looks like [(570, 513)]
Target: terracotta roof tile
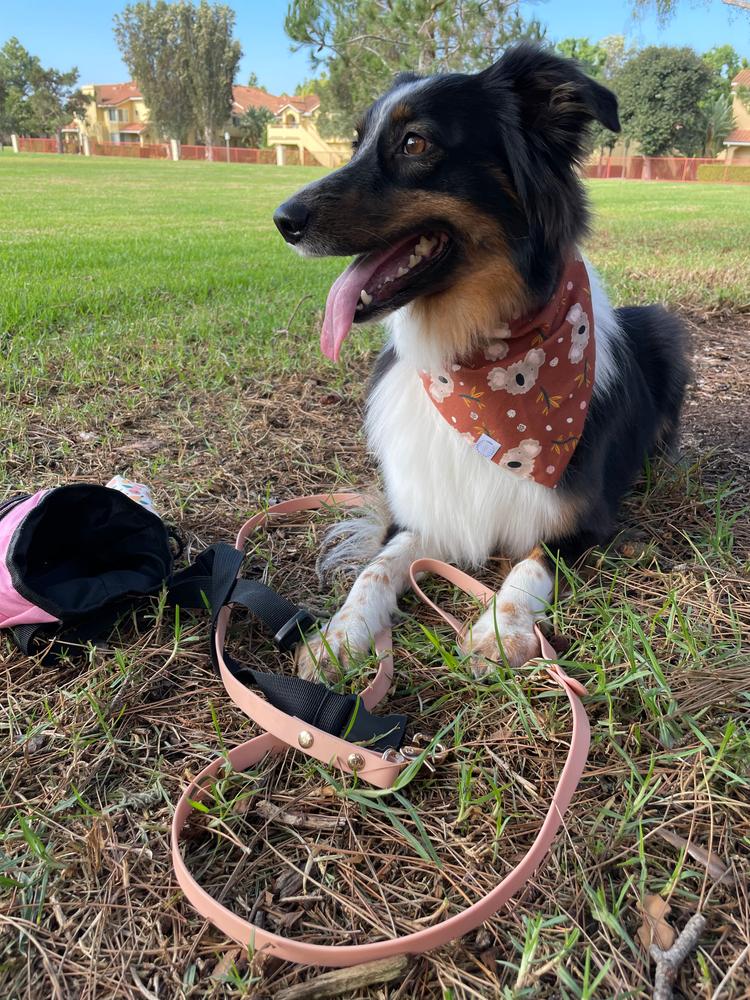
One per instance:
[(254, 97), (739, 135), (116, 93), (742, 79), (109, 94)]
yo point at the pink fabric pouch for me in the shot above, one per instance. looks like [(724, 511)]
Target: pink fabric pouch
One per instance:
[(15, 609)]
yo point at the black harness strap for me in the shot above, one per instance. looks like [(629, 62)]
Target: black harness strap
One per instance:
[(213, 579)]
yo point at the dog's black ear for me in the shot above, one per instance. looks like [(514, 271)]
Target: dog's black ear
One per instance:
[(551, 96), (402, 78)]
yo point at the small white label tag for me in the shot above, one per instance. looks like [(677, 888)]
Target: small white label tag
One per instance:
[(487, 446)]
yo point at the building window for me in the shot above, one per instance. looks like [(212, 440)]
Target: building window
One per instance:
[(117, 115)]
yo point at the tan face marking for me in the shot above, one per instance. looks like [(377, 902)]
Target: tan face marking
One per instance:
[(485, 292), (401, 114)]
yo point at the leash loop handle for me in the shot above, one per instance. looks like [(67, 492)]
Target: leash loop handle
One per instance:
[(282, 732)]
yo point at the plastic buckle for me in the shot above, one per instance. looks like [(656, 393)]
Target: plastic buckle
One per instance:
[(292, 631)]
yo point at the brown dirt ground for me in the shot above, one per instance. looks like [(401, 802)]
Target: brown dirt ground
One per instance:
[(108, 921)]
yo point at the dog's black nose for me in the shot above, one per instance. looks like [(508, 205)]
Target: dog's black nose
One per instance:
[(291, 219)]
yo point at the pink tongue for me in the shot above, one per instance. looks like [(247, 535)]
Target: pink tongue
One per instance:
[(342, 303)]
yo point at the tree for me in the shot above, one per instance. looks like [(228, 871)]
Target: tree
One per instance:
[(149, 41), (253, 126), (660, 91), (725, 63), (665, 9), (719, 122), (603, 60), (17, 66), (311, 86), (55, 101), (591, 56), (212, 57), (184, 59), (363, 44), (252, 81), (35, 100), (618, 53)]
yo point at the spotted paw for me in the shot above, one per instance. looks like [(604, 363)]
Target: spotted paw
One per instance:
[(519, 643), (327, 654)]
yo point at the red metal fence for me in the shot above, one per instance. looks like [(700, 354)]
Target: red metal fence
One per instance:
[(37, 145), (653, 168), (235, 154), (134, 150), (658, 168), (160, 151)]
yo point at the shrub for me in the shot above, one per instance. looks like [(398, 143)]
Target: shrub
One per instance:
[(718, 172)]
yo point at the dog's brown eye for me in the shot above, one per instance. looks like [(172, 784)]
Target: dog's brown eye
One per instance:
[(414, 145)]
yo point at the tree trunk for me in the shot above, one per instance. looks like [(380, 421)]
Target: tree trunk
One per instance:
[(58, 137), (209, 137)]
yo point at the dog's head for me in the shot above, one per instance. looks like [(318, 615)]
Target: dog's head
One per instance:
[(461, 197)]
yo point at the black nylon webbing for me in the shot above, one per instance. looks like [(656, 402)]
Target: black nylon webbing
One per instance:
[(62, 639), (213, 577), (338, 714)]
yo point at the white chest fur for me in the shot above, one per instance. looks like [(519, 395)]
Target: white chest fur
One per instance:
[(463, 507)]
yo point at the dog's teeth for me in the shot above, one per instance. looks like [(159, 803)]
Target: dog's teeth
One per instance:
[(359, 308), (367, 299), (425, 247), (402, 271), (413, 261), (388, 280)]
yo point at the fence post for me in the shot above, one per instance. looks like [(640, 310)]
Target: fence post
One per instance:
[(14, 142), (174, 147), (279, 156), (684, 169)]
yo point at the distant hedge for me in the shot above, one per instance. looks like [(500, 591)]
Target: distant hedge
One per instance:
[(718, 172)]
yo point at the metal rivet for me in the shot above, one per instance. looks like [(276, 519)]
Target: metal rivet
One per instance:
[(305, 739), (355, 761)]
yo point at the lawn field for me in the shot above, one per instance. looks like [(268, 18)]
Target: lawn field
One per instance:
[(153, 324)]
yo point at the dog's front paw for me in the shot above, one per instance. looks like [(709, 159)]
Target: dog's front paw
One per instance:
[(326, 655), (516, 633)]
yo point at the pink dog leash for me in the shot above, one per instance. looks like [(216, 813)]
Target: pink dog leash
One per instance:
[(380, 769)]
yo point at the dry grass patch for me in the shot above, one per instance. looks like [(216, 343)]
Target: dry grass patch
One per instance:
[(97, 752)]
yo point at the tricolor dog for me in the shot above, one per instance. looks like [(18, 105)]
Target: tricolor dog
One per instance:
[(512, 406)]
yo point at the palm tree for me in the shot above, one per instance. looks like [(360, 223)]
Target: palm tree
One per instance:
[(718, 121)]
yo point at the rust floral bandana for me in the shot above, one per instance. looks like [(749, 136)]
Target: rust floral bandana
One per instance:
[(522, 402)]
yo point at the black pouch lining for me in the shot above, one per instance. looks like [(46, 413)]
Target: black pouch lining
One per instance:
[(84, 546)]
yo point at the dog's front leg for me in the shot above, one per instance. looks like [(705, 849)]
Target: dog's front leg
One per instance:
[(366, 611), (522, 600)]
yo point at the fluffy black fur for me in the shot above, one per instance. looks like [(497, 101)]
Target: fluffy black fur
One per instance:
[(505, 141), (638, 417)]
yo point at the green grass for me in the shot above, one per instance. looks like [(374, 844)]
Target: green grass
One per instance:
[(682, 244), (141, 304), (152, 268)]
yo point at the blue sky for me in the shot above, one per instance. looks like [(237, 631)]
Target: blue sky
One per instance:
[(65, 33)]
